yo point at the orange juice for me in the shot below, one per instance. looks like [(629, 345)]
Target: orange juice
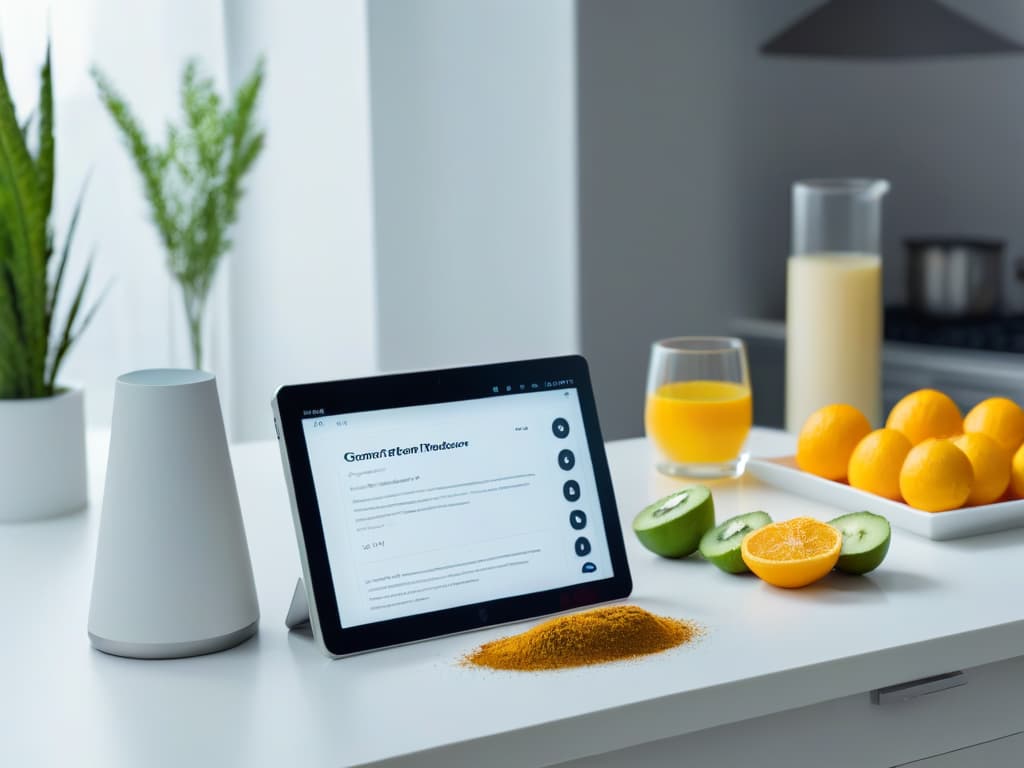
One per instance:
[(699, 422)]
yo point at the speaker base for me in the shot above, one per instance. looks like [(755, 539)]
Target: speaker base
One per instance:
[(173, 650)]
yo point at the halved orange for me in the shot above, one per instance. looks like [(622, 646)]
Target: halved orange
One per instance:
[(792, 553)]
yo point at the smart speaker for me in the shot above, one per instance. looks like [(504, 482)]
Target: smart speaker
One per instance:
[(173, 576)]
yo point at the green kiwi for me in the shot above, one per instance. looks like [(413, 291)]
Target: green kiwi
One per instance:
[(672, 526), (866, 539), (721, 545)]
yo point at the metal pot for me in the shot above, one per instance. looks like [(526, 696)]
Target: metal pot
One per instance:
[(954, 277)]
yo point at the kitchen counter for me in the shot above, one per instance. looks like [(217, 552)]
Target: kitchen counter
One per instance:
[(967, 375), (781, 674), (1007, 366)]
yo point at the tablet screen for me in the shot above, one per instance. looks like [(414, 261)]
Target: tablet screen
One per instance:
[(435, 502), (428, 507)]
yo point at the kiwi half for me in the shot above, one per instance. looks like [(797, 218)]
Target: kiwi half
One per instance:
[(672, 526), (721, 545), (866, 539)]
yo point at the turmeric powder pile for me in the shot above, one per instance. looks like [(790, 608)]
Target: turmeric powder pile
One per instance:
[(592, 637)]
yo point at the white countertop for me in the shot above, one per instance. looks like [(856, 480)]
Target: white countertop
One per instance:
[(932, 607)]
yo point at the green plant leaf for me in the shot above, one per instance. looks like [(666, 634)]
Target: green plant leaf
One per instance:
[(58, 279), (68, 333), (28, 362), (44, 161), (20, 205), (147, 160), (13, 372), (193, 182)]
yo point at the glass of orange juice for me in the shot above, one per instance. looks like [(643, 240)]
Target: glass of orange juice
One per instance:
[(699, 409)]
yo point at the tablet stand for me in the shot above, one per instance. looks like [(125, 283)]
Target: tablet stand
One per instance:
[(298, 611)]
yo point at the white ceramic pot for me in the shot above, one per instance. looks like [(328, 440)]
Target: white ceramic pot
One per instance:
[(42, 456)]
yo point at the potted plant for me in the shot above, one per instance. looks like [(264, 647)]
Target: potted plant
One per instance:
[(42, 422), (194, 182)]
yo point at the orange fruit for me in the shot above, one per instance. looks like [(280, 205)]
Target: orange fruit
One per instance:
[(991, 465), (793, 553), (936, 476), (876, 462), (828, 438), (925, 413), (1000, 418), (1017, 474)]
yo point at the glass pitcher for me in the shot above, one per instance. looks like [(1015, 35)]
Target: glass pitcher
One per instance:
[(834, 298)]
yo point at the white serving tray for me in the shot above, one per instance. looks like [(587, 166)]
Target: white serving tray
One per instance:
[(782, 472)]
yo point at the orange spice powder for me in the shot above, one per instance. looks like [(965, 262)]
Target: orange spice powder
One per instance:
[(592, 637)]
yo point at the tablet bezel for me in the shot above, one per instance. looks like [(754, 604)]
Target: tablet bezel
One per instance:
[(294, 403)]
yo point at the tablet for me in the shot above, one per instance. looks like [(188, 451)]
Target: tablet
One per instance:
[(443, 501)]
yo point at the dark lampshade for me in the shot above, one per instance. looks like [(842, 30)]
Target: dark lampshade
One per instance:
[(886, 29)]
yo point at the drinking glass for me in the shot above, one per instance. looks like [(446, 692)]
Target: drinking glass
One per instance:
[(699, 408)]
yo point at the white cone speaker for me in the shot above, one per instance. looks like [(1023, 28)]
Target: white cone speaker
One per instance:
[(173, 576)]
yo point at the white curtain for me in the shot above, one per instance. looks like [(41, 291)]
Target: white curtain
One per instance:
[(304, 278)]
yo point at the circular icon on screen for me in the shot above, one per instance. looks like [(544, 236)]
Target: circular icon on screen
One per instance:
[(578, 519), (566, 459), (560, 427), (571, 490), (582, 546)]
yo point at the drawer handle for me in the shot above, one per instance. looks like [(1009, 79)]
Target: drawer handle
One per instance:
[(917, 688)]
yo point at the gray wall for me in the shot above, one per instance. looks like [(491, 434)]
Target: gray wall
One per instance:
[(658, 131), (689, 140), (474, 131)]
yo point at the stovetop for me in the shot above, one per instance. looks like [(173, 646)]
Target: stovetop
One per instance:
[(998, 334)]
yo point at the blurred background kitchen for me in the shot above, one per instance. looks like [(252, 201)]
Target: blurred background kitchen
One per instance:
[(457, 181)]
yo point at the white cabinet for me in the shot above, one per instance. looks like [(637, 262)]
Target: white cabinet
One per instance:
[(1007, 752), (978, 724)]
